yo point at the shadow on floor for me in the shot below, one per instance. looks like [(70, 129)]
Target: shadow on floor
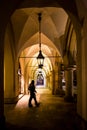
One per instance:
[(53, 113)]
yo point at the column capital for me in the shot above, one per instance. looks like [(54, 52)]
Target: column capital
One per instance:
[(70, 67)]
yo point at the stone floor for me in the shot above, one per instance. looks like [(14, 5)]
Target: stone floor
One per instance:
[(52, 114)]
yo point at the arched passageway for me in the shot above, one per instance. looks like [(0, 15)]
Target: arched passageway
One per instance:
[(61, 35)]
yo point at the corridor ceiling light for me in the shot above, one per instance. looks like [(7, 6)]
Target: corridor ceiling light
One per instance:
[(40, 57)]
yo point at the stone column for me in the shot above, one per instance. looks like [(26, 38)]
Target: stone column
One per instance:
[(48, 81), (2, 118), (53, 81), (69, 84)]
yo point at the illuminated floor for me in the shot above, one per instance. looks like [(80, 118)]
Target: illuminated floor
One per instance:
[(52, 114)]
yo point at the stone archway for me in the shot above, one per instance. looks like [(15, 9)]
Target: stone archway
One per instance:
[(5, 15)]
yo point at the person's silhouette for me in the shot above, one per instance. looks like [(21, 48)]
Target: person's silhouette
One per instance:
[(32, 91)]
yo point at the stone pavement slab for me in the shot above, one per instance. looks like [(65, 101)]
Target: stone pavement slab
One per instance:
[(52, 114)]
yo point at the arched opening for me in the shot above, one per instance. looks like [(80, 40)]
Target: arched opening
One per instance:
[(40, 79), (53, 45), (19, 50)]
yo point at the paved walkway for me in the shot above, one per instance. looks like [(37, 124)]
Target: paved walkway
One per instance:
[(52, 114)]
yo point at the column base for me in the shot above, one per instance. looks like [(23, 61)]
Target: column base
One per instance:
[(68, 98), (60, 92), (2, 122)]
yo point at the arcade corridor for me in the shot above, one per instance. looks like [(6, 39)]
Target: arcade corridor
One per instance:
[(53, 113), (44, 40)]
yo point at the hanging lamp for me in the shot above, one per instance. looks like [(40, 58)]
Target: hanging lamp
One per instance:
[(40, 57)]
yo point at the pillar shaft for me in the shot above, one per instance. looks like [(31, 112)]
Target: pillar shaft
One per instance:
[(69, 84), (2, 118)]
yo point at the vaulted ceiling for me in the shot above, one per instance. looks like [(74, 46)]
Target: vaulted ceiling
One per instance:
[(25, 26)]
